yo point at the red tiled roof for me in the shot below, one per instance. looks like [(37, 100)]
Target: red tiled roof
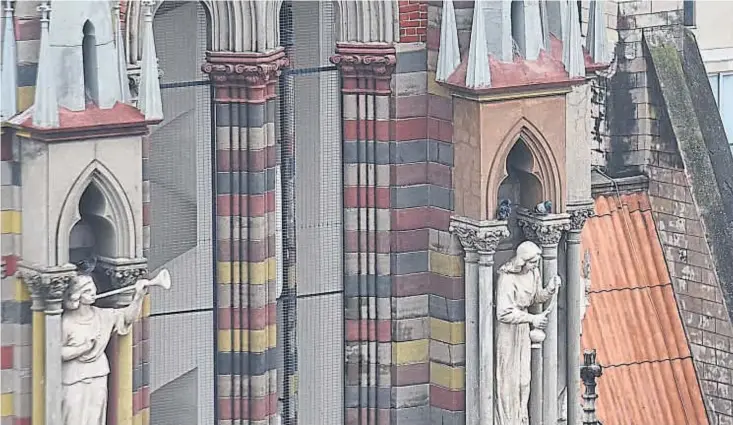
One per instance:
[(633, 321)]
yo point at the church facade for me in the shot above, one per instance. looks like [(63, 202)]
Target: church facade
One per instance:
[(372, 212)]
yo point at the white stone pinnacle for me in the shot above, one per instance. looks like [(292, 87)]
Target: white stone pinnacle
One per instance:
[(125, 96), (572, 52), (597, 40), (46, 109), (149, 100), (478, 73), (9, 73), (449, 56)]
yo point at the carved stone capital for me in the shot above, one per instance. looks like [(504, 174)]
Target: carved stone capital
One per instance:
[(123, 272), (544, 230), (365, 61), (579, 215), (244, 77), (482, 236), (47, 284)]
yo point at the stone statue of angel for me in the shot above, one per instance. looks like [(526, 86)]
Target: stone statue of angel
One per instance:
[(519, 286), (86, 330)]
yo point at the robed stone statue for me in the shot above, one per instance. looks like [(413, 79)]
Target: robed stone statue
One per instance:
[(519, 286), (86, 330)]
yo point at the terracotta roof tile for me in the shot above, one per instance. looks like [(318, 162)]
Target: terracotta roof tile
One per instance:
[(633, 321)]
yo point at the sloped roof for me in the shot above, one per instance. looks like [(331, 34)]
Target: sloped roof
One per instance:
[(633, 321)]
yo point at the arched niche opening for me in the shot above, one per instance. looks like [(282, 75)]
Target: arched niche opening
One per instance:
[(93, 235), (521, 186), (89, 63)]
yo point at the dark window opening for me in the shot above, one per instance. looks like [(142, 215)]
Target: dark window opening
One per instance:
[(688, 13)]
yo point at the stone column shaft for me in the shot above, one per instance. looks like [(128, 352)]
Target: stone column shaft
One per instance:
[(479, 240), (546, 231), (366, 71), (575, 293)]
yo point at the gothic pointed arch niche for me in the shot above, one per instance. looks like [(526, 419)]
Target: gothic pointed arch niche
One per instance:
[(96, 217), (526, 161)]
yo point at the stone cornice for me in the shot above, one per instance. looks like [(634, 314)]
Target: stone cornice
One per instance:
[(372, 61), (545, 230), (481, 236), (244, 77), (48, 284), (123, 272), (579, 214)]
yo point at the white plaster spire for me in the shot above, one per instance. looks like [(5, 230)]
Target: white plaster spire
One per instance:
[(449, 55), (597, 40), (149, 100), (121, 58), (572, 50), (529, 31), (9, 72), (45, 106), (498, 29), (478, 73)]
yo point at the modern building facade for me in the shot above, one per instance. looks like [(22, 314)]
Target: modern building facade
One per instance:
[(335, 187)]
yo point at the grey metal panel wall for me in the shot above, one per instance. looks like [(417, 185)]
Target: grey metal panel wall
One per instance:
[(318, 214), (178, 344), (179, 171)]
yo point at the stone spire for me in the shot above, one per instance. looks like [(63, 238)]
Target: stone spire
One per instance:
[(448, 56), (46, 109), (478, 73), (9, 73), (528, 33), (121, 59), (149, 101), (498, 29), (572, 51), (597, 40)]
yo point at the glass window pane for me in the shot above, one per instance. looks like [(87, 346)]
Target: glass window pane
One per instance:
[(726, 103), (714, 85)]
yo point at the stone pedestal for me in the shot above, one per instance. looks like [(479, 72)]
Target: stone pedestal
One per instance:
[(479, 240), (545, 231)]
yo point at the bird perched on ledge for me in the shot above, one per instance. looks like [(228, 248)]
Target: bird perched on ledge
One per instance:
[(543, 208), (504, 210)]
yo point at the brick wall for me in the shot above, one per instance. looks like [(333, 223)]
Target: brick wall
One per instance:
[(413, 20)]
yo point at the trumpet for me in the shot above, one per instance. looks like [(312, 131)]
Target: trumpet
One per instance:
[(163, 279)]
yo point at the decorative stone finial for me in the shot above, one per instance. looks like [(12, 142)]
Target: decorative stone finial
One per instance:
[(9, 72), (572, 52), (449, 56), (125, 96), (46, 109), (589, 372), (478, 73), (149, 102)]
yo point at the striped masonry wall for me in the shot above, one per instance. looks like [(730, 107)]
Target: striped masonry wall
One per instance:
[(446, 306), (141, 328), (15, 334), (246, 158), (28, 36)]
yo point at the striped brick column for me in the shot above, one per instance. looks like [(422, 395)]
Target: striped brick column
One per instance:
[(366, 71), (246, 157)]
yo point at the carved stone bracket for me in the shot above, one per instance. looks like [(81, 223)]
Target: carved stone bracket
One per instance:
[(371, 61), (579, 215), (47, 284), (545, 230), (123, 272), (482, 236), (244, 77)]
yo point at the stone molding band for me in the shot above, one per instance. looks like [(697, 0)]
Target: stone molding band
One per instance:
[(365, 68), (244, 77)]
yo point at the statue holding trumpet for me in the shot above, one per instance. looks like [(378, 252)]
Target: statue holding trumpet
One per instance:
[(86, 330)]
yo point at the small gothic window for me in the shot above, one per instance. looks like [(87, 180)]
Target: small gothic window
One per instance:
[(520, 186), (89, 62), (688, 13)]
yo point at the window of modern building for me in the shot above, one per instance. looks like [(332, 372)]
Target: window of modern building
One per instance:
[(688, 13), (722, 85)]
